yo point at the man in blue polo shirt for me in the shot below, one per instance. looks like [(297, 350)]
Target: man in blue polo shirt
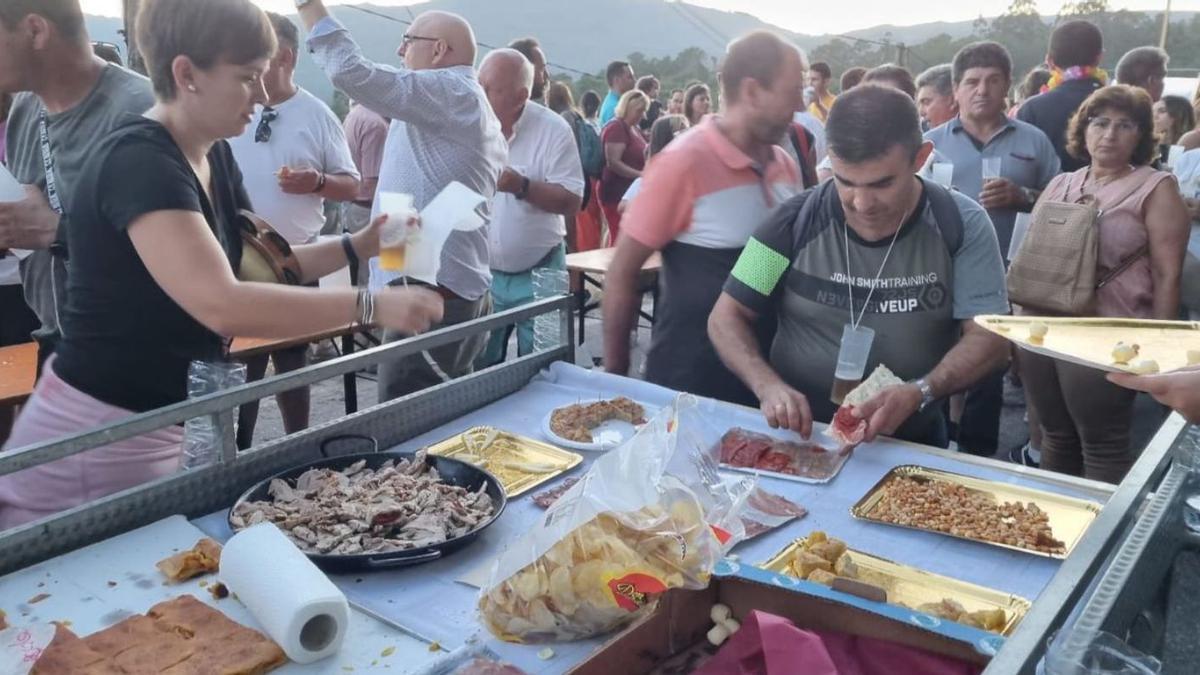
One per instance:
[(1026, 162)]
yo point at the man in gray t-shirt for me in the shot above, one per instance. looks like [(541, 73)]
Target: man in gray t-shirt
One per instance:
[(95, 98), (876, 247)]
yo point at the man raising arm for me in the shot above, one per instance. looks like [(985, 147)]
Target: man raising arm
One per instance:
[(442, 130)]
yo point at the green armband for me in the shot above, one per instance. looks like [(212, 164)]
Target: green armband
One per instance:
[(760, 267)]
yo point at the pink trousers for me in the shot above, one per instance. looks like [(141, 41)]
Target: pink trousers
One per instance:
[(57, 410)]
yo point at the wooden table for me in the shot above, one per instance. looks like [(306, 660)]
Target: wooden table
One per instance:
[(597, 262), (18, 363)]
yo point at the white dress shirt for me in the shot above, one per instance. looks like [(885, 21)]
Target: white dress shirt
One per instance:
[(304, 134), (542, 149), (443, 129)]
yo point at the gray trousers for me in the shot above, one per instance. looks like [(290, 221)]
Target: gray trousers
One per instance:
[(414, 373)]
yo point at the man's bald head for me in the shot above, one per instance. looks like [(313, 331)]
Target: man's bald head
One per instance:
[(438, 40), (507, 78)]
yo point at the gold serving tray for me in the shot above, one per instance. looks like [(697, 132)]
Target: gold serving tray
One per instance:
[(1069, 517), (1090, 342), (519, 463), (911, 587)]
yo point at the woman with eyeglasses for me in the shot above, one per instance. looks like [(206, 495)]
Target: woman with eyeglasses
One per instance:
[(1143, 228), (154, 243)]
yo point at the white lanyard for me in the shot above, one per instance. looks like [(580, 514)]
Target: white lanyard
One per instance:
[(849, 276)]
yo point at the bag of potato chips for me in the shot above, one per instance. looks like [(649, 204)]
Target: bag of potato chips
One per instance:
[(649, 516)]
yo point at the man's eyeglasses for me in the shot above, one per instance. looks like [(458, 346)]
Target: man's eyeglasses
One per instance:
[(409, 39), (1103, 123), (263, 133)]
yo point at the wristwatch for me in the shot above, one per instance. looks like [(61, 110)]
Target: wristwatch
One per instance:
[(524, 191), (927, 396)]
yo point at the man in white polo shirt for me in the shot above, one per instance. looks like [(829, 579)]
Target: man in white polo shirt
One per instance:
[(293, 157), (542, 182)]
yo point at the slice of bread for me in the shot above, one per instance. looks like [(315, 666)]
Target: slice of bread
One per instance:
[(879, 380)]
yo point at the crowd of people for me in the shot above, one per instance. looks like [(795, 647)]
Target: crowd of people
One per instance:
[(793, 218)]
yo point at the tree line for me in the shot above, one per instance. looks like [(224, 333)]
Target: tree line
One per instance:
[(1020, 28)]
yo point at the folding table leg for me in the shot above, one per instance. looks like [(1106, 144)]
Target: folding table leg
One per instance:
[(349, 380)]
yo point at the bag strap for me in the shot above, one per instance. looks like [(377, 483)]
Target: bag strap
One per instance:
[(946, 213), (1136, 255), (1116, 271), (800, 141), (48, 164)]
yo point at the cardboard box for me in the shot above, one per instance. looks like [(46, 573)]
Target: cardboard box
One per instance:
[(682, 619)]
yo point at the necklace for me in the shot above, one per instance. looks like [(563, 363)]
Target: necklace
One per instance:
[(849, 275), (1096, 183)]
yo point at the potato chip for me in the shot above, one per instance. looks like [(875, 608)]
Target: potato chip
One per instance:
[(640, 523)]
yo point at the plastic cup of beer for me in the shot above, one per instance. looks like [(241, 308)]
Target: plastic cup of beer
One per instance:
[(851, 361), (393, 236), (992, 166), (942, 173)]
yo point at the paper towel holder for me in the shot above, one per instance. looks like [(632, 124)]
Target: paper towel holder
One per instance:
[(318, 632)]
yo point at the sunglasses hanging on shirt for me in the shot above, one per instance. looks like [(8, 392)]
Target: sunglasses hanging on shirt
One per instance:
[(263, 133)]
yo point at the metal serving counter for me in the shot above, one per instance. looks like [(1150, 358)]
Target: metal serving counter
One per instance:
[(409, 422), (1146, 591)]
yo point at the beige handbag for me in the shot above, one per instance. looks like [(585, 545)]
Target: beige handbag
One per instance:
[(1056, 270)]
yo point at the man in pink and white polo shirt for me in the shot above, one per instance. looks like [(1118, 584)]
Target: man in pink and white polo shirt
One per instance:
[(701, 199)]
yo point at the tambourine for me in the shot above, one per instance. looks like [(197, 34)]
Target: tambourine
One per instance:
[(266, 255)]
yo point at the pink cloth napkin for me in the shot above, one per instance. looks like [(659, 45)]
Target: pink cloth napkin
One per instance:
[(771, 645)]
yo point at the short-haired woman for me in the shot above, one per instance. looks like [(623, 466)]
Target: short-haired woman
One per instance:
[(624, 156), (1085, 419), (697, 103), (154, 245)]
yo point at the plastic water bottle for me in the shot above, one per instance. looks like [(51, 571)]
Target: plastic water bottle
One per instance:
[(547, 328), (201, 443)]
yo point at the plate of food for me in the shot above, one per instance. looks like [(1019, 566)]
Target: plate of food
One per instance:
[(597, 425), (1140, 346), (826, 560), (802, 461), (988, 512)]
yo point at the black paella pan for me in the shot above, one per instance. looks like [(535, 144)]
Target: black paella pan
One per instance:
[(452, 472)]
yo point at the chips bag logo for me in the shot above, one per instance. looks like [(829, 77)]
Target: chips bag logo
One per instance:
[(632, 591)]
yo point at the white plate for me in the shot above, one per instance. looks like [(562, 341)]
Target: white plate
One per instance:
[(605, 437)]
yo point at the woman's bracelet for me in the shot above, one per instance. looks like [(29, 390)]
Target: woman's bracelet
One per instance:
[(365, 307)]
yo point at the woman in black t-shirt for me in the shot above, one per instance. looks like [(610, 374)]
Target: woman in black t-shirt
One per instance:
[(154, 246)]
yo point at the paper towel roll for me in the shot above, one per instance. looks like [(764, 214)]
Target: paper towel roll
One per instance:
[(294, 602)]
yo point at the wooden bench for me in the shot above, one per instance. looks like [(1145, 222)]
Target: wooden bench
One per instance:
[(593, 265)]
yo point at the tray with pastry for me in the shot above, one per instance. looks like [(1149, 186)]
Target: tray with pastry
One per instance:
[(1141, 346), (826, 560), (999, 514), (519, 463)]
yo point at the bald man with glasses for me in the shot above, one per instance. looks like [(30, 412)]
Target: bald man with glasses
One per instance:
[(442, 130)]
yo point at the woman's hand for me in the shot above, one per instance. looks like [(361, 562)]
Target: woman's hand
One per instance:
[(408, 310), (1178, 390), (366, 241)]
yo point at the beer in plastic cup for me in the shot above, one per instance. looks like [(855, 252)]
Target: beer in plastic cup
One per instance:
[(393, 236)]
